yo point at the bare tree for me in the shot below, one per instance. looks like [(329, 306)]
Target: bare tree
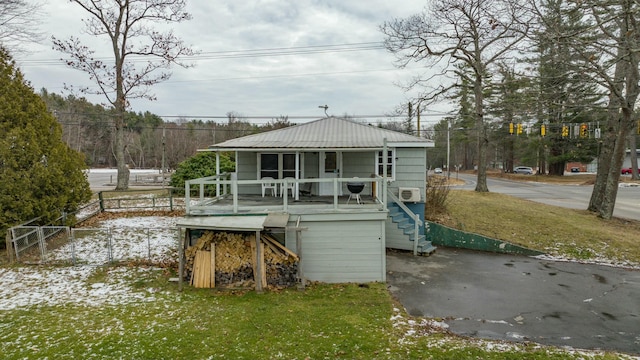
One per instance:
[(127, 26), (475, 33), (633, 156), (610, 53), (19, 20)]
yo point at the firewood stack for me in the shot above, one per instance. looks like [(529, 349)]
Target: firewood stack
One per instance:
[(228, 259)]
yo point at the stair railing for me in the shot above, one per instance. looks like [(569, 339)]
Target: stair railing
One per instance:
[(417, 222)]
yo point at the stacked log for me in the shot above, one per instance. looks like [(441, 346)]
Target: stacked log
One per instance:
[(234, 259)]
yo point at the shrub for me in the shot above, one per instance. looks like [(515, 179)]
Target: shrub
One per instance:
[(437, 197), (202, 164)]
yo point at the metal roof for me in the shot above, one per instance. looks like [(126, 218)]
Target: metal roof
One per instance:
[(327, 133)]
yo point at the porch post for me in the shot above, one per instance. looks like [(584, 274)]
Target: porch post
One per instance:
[(259, 264), (295, 187), (187, 191), (384, 173), (217, 174)]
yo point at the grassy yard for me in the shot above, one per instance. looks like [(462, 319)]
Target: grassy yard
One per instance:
[(348, 321), (558, 231)]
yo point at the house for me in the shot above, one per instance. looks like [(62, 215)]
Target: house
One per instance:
[(301, 184)]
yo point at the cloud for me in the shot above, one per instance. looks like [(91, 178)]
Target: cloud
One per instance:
[(257, 83)]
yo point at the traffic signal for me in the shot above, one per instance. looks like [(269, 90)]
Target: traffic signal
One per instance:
[(519, 130), (638, 127), (584, 131), (511, 128), (543, 130), (565, 131)]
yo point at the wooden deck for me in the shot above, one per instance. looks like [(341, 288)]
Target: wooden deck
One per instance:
[(256, 204), (240, 197)]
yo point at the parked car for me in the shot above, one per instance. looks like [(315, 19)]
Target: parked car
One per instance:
[(625, 171), (437, 170), (523, 170), (575, 169)]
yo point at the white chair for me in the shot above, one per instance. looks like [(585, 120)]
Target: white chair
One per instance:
[(269, 184), (290, 186)]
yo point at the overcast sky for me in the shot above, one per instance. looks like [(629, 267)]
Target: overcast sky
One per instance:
[(348, 80)]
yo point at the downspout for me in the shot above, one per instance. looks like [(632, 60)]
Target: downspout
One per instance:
[(384, 173)]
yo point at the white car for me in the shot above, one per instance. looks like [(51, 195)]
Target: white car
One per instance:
[(437, 171), (523, 170)]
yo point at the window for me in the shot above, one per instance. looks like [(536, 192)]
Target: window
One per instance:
[(277, 166), (288, 165), (269, 165), (390, 164)]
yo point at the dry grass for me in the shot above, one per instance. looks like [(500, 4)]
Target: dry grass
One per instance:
[(555, 230)]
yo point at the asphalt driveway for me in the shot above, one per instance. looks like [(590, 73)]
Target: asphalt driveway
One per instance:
[(519, 298)]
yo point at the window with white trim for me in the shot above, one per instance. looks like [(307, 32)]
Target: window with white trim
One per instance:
[(277, 166), (269, 165), (391, 162)]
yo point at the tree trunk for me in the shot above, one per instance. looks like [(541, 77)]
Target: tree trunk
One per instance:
[(542, 159), (633, 156), (121, 163), (483, 141), (613, 178), (609, 142), (622, 99), (509, 155), (604, 162)]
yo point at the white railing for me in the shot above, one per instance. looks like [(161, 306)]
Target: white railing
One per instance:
[(229, 186), (220, 191)]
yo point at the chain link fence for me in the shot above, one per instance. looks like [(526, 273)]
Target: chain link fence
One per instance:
[(32, 242), (96, 246)]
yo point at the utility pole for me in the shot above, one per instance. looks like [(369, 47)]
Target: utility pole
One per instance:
[(448, 148), (163, 150), (418, 129)]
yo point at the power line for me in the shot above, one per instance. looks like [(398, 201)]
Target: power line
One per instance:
[(236, 54), (260, 117)]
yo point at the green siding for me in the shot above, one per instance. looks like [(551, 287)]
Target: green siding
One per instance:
[(342, 251), (411, 169), (360, 164), (311, 165), (247, 169)]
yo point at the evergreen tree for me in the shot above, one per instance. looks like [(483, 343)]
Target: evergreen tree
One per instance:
[(567, 94), (202, 164), (40, 176)]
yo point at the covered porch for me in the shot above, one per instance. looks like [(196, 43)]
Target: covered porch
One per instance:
[(223, 194)]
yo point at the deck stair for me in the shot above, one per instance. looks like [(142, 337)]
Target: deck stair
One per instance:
[(401, 230)]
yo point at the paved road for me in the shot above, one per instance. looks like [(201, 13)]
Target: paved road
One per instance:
[(105, 179), (518, 298), (569, 196)]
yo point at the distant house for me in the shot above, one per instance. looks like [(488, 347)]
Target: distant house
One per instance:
[(627, 158), (308, 177)]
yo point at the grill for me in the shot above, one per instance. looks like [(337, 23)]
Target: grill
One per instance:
[(355, 188)]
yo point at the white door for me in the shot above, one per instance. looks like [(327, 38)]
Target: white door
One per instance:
[(330, 165)]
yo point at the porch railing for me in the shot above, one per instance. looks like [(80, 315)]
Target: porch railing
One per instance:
[(417, 222), (227, 185)]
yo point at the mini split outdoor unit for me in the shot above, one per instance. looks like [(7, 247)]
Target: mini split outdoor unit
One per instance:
[(409, 194)]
